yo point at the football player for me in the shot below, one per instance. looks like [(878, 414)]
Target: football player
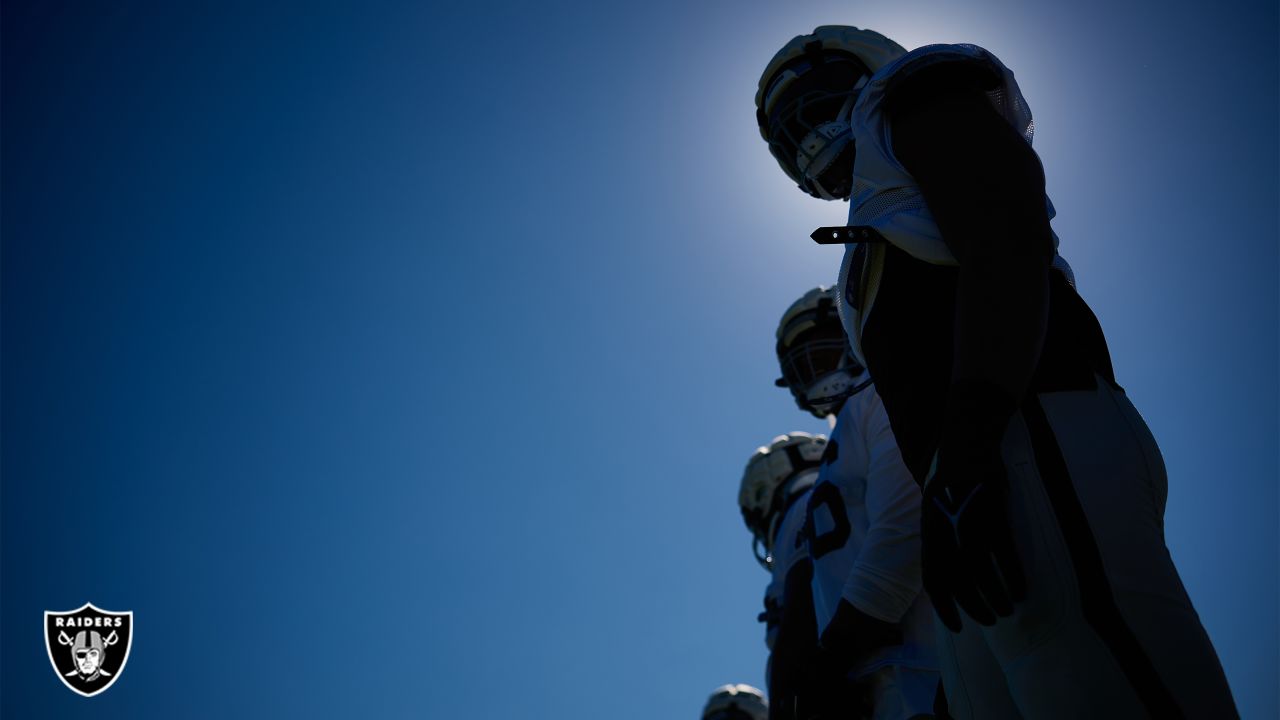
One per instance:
[(862, 535), (773, 494), (817, 368), (736, 702), (860, 566), (1044, 492)]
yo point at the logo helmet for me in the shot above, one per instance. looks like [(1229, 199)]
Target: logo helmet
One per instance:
[(773, 476), (88, 651), (88, 640), (806, 96)]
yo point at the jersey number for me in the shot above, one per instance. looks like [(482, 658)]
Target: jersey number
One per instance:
[(834, 539)]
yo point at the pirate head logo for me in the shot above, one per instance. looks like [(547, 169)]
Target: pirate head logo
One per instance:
[(88, 647)]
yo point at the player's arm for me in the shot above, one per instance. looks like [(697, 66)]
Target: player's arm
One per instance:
[(985, 188), (885, 578), (794, 645)]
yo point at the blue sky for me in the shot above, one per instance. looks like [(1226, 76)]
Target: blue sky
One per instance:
[(403, 361)]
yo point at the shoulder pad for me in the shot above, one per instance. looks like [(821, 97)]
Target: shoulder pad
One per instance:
[(938, 71)]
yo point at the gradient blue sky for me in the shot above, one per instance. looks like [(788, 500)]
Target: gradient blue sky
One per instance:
[(402, 361)]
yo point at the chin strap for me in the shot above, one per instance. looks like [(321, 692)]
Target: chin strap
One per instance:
[(843, 394), (832, 235)]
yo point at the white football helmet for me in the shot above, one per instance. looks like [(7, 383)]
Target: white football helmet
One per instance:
[(804, 100), (775, 475), (736, 702), (814, 356)]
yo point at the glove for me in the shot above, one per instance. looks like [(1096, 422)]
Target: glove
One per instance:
[(968, 554)]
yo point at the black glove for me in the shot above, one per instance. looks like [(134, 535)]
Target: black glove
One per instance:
[(968, 552)]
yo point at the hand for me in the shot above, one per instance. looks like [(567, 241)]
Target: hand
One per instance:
[(852, 635), (826, 691), (968, 551)]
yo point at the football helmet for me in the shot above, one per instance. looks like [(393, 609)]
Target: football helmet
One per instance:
[(813, 354), (805, 97), (736, 702), (774, 476), (89, 650)]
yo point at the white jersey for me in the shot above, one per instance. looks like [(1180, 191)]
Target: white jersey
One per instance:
[(1106, 629), (787, 551), (886, 197), (864, 534)]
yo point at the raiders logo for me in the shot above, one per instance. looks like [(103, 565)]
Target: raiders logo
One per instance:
[(88, 647)]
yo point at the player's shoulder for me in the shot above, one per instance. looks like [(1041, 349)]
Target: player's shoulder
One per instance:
[(860, 407), (956, 57), (935, 71), (869, 422)]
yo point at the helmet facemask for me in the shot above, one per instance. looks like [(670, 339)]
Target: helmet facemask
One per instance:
[(819, 369), (807, 111), (774, 477), (763, 523), (802, 479)]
